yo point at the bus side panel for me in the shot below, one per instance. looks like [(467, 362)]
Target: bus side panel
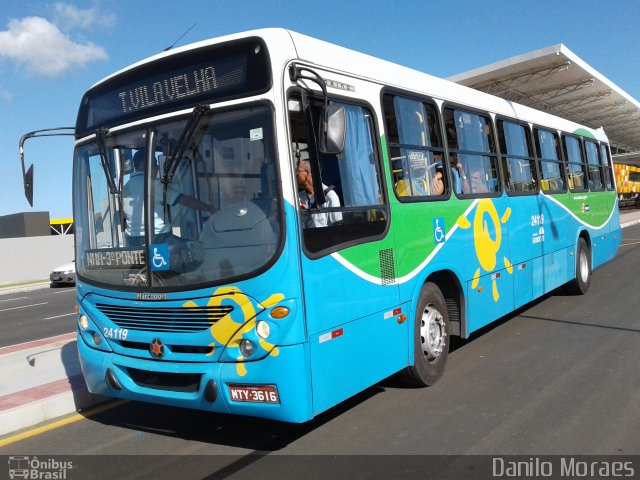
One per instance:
[(524, 288), (526, 229), (559, 268), (352, 357), (489, 272), (605, 247), (336, 293), (489, 299), (354, 336), (558, 242), (526, 232), (558, 225)]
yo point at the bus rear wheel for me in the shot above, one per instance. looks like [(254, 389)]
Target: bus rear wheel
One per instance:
[(430, 339), (580, 284)]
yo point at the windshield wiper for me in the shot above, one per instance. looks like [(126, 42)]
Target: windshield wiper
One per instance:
[(101, 134), (173, 161), (102, 149)]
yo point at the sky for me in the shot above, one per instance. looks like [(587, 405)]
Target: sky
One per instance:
[(52, 52)]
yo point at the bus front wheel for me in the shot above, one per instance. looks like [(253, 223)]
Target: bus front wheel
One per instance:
[(580, 284), (430, 338)]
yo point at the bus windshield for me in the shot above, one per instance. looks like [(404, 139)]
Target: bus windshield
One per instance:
[(216, 218)]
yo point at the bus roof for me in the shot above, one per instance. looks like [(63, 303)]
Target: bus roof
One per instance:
[(286, 45)]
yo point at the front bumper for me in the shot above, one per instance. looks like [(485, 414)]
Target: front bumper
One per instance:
[(185, 384)]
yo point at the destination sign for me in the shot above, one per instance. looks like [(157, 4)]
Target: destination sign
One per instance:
[(168, 89), (114, 258), (177, 81)]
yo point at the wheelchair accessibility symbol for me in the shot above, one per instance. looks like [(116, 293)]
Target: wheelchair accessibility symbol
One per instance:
[(439, 232), (159, 257)]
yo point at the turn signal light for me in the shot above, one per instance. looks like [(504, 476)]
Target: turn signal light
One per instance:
[(279, 312)]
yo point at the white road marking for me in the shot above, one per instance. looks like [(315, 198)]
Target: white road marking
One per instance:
[(24, 306), (58, 316), (12, 299)]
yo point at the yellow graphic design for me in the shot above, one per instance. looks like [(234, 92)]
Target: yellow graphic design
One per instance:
[(487, 247), (229, 330)]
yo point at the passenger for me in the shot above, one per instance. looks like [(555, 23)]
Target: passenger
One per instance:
[(437, 184), (459, 179), (478, 182)]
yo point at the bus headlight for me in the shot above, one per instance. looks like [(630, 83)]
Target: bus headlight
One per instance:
[(246, 348), (90, 333), (263, 329)]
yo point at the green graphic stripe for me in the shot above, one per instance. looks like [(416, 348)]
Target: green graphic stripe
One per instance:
[(584, 133), (591, 208)]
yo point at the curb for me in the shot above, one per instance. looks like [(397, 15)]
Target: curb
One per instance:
[(45, 389), (48, 408)]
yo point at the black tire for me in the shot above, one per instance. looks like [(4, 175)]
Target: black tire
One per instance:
[(580, 284), (430, 339)]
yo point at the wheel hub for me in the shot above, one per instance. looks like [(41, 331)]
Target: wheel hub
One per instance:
[(432, 333), (584, 266)]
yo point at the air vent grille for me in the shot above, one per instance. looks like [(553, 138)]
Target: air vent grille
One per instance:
[(387, 267), (172, 319)]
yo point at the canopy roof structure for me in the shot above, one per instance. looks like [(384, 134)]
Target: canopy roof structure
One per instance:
[(557, 81)]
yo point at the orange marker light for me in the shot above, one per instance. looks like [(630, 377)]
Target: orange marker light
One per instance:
[(279, 312), (402, 318)]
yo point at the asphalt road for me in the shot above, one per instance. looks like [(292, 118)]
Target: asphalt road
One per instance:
[(35, 314), (558, 377)]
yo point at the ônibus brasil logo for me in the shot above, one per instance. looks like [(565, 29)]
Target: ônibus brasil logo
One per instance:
[(35, 468)]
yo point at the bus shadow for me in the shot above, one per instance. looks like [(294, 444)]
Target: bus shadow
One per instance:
[(259, 435)]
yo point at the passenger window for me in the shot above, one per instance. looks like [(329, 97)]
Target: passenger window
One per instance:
[(353, 210), (473, 160), (415, 147), (551, 171), (575, 164), (519, 165), (596, 183), (606, 166)]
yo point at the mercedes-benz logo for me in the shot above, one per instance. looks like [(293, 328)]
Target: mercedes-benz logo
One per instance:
[(242, 212), (156, 348)]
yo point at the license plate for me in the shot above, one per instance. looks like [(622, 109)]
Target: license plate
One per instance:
[(56, 277), (254, 393)]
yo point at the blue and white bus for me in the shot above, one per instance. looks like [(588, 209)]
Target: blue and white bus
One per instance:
[(267, 224)]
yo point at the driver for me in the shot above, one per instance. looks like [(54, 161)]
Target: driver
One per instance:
[(133, 196)]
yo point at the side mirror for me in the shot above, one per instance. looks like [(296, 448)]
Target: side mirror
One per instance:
[(28, 185), (27, 177), (333, 126)]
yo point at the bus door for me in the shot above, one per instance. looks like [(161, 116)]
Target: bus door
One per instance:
[(347, 264), (526, 227), (557, 243)]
